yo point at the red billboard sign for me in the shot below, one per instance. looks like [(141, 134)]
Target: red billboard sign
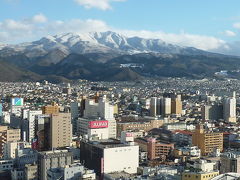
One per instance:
[(98, 124)]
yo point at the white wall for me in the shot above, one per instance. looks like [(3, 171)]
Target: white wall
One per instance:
[(121, 159)]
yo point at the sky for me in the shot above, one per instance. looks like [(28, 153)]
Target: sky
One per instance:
[(212, 25)]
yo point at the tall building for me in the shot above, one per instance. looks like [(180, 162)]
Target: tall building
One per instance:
[(106, 111), (165, 106), (230, 162), (51, 109), (31, 124), (16, 106), (153, 106), (103, 110), (176, 105), (229, 109), (60, 130), (212, 112), (75, 107), (207, 141), (8, 135), (52, 159)]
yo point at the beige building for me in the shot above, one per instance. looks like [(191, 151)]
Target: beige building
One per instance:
[(176, 106), (199, 175), (207, 141), (60, 132), (138, 125), (8, 135), (31, 172), (51, 109)]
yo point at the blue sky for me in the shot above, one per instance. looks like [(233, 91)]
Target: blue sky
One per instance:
[(183, 20)]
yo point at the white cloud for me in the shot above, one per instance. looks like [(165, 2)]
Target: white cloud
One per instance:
[(236, 25), (33, 28), (182, 39), (229, 33), (99, 4), (39, 18)]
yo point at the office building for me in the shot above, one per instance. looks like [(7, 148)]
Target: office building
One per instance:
[(60, 130), (52, 159), (155, 149), (31, 172), (207, 141), (110, 156), (212, 112), (10, 148), (176, 105), (31, 124), (199, 175), (75, 109), (230, 162), (153, 106), (229, 109), (93, 129), (101, 108), (145, 126), (165, 106), (8, 135), (51, 109)]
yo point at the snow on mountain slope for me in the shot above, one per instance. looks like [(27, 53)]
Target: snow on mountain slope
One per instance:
[(94, 42)]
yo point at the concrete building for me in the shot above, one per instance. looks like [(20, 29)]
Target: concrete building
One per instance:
[(155, 149), (6, 165), (52, 159), (199, 175), (165, 106), (229, 110), (103, 109), (8, 135), (5, 117), (176, 105), (31, 124), (182, 137), (106, 111), (153, 107), (74, 171), (11, 147), (94, 129), (145, 126), (51, 109), (201, 164), (230, 162), (75, 109), (207, 141), (110, 156), (212, 112), (60, 130), (25, 156), (189, 151), (31, 172), (17, 174)]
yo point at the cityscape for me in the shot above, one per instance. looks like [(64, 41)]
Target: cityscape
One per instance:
[(119, 90)]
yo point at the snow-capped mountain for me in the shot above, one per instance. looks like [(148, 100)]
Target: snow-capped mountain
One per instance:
[(94, 42)]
